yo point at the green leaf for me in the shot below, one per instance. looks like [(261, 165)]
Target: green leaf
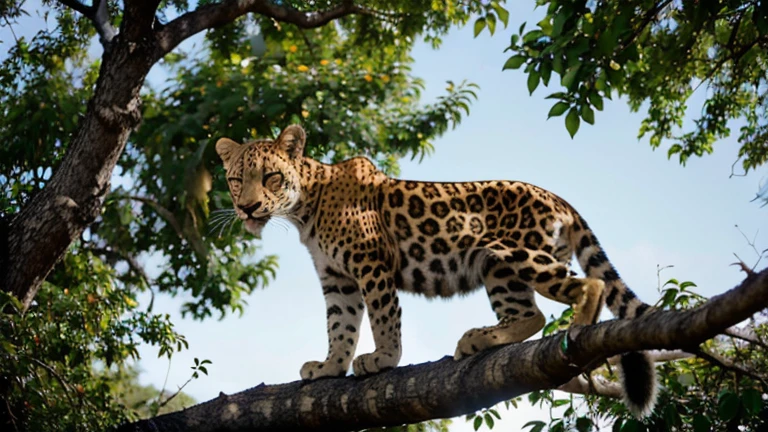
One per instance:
[(536, 426), (701, 423), (558, 109), (596, 100), (478, 422), (587, 114), (687, 284), (728, 406), (533, 81), (501, 12), (491, 22), (546, 72), (557, 64), (686, 379), (532, 36), (570, 76), (559, 22), (752, 400), (514, 62), (572, 121), (631, 425), (489, 421), (583, 424), (671, 416), (8, 347), (479, 26), (617, 425)]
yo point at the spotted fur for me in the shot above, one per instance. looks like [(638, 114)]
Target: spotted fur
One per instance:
[(372, 236)]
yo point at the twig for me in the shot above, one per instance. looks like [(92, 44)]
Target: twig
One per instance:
[(738, 333), (160, 209), (162, 389), (726, 364), (659, 269), (743, 267), (752, 243), (165, 402), (733, 169), (309, 44), (133, 264), (734, 56), (597, 385), (649, 16), (50, 370), (10, 26)]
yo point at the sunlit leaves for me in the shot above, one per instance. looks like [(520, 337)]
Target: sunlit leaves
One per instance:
[(490, 13), (656, 54)]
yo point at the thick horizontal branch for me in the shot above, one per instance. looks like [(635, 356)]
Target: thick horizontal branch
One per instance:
[(217, 14), (447, 388)]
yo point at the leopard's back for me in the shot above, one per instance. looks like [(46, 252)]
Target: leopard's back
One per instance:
[(443, 232)]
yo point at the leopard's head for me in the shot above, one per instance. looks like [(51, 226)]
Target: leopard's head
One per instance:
[(263, 176)]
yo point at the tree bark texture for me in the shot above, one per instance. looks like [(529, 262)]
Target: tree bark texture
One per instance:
[(37, 237), (447, 388), (41, 233)]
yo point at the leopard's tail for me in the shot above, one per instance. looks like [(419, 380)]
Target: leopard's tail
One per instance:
[(638, 374)]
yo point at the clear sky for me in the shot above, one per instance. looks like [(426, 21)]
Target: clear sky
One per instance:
[(645, 210)]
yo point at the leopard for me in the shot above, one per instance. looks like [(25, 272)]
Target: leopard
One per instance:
[(372, 236)]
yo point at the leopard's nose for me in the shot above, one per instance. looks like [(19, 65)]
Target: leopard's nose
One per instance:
[(250, 208)]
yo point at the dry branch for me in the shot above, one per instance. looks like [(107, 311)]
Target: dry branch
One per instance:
[(447, 388)]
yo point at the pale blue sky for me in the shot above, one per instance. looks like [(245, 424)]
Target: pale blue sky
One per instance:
[(646, 211)]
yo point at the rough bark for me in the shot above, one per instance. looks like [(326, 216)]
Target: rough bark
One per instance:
[(41, 233), (36, 238), (447, 388)]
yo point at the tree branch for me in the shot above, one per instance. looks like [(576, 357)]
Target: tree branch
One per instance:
[(724, 363), (133, 264), (138, 19), (99, 15), (217, 14), (597, 385), (746, 335), (447, 388)]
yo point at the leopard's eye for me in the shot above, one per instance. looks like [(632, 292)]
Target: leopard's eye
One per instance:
[(234, 184), (273, 181)]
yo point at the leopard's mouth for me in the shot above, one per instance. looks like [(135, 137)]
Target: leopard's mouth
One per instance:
[(254, 225)]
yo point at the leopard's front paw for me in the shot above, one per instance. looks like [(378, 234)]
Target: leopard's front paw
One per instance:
[(374, 362), (316, 369)]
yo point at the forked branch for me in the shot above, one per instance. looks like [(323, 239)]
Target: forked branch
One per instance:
[(448, 388), (99, 15)]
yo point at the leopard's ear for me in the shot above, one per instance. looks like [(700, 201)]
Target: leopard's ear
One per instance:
[(292, 140), (226, 149)]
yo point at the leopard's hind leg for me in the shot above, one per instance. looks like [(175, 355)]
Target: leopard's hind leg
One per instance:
[(511, 277)]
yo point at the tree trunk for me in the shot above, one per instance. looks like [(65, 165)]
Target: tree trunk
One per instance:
[(41, 233)]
